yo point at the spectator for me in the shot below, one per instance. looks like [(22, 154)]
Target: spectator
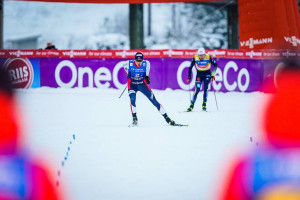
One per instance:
[(50, 46), (21, 177), (272, 172)]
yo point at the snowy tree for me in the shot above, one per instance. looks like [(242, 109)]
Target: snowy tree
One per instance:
[(199, 25)]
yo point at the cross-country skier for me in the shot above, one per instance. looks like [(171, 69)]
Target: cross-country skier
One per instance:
[(203, 62), (137, 71)]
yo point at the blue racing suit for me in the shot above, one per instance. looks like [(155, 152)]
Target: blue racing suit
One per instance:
[(137, 82)]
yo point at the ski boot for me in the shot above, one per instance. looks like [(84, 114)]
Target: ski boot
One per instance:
[(134, 119), (204, 107), (190, 108), (168, 120)]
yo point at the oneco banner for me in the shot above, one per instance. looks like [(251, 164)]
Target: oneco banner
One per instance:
[(232, 75)]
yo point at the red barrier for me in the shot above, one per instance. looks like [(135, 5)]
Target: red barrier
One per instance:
[(269, 24), (165, 53)]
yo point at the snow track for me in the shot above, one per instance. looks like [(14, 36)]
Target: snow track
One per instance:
[(151, 161)]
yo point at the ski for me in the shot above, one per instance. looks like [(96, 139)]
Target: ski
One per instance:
[(185, 111), (194, 111), (181, 125), (132, 125)]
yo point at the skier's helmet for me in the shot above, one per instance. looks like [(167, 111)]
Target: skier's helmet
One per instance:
[(201, 51), (139, 57)]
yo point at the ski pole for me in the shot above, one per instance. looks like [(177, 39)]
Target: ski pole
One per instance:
[(190, 91), (216, 100), (123, 91), (215, 96)]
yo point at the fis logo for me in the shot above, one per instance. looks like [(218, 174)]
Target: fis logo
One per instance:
[(21, 72)]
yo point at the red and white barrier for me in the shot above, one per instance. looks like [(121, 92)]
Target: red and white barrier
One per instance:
[(165, 53)]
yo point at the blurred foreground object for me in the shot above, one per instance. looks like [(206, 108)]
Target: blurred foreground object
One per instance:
[(272, 172), (21, 177)]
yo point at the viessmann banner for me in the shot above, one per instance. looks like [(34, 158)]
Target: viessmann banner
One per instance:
[(232, 74)]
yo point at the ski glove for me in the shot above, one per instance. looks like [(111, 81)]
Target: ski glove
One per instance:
[(213, 76), (188, 80), (147, 79)]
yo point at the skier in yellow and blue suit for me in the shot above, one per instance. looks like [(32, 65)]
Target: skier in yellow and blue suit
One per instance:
[(202, 62)]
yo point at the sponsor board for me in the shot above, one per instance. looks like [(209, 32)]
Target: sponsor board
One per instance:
[(244, 71), (20, 71), (217, 53), (46, 53), (292, 40), (289, 54), (235, 54), (129, 54), (73, 53), (271, 54), (254, 54), (232, 74), (21, 53), (251, 42), (98, 54)]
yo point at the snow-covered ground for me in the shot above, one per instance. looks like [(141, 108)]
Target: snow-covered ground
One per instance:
[(109, 160)]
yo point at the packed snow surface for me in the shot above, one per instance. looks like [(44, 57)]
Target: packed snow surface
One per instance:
[(108, 160)]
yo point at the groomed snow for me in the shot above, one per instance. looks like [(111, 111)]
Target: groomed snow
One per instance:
[(109, 160)]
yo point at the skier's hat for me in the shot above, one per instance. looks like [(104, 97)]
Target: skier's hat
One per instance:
[(201, 51), (139, 57)]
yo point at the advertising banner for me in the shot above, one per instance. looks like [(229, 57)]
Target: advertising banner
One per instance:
[(240, 71), (242, 75), (24, 72), (162, 53), (273, 25)]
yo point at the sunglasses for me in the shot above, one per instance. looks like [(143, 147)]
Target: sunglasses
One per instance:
[(139, 60)]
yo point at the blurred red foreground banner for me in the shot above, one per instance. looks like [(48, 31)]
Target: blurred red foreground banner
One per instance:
[(165, 53)]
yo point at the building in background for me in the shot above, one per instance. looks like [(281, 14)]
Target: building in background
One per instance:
[(27, 42)]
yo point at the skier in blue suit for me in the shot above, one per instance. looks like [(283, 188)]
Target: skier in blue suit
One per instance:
[(137, 71)]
